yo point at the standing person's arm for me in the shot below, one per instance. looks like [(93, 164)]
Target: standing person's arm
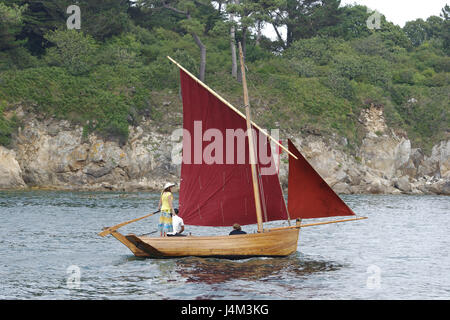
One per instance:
[(160, 202)]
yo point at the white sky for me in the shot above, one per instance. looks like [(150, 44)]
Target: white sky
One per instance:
[(395, 11), (401, 11)]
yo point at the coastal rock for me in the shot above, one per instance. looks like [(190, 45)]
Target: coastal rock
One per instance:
[(440, 187), (324, 160), (42, 155), (51, 153), (438, 163), (337, 168), (444, 163), (10, 171), (342, 188), (387, 154), (373, 120), (403, 184), (440, 155), (382, 149), (54, 154)]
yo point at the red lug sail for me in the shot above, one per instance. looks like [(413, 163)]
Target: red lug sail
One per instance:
[(309, 196), (216, 182)]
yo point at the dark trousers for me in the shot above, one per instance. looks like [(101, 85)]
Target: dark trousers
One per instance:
[(176, 235)]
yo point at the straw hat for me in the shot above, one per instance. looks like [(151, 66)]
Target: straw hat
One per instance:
[(168, 185)]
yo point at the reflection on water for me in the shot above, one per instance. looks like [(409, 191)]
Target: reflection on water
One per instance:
[(44, 233), (211, 270)]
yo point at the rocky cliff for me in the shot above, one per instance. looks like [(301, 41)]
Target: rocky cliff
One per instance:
[(51, 153), (385, 161)]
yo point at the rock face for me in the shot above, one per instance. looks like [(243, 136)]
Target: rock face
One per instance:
[(391, 157), (385, 163), (55, 154), (343, 173), (438, 164), (10, 171)]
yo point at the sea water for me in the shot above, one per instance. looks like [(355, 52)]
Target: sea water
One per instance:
[(50, 250)]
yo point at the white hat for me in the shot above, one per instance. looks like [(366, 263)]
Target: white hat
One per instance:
[(168, 184)]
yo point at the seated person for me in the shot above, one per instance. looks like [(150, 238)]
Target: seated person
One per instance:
[(178, 226), (237, 230)]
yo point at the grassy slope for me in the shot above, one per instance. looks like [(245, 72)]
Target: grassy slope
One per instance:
[(284, 92)]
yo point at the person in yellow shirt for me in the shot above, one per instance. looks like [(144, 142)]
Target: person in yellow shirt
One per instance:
[(166, 206)]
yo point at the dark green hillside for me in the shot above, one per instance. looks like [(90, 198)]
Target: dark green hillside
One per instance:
[(317, 80)]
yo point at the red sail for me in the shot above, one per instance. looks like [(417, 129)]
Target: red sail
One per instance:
[(309, 196), (216, 182)]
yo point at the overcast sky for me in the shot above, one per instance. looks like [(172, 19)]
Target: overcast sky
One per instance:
[(396, 11), (401, 11)]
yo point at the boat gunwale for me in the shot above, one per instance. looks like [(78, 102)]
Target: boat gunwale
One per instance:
[(218, 237)]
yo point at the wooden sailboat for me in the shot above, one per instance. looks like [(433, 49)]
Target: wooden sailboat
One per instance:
[(231, 189)]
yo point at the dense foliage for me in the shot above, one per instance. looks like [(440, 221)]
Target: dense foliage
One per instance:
[(114, 70)]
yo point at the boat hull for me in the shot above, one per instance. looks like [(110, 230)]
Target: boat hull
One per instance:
[(276, 243)]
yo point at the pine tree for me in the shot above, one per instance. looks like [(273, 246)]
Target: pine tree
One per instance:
[(196, 18), (446, 29), (10, 25)]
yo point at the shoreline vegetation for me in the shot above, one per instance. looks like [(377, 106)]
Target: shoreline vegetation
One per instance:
[(94, 108)]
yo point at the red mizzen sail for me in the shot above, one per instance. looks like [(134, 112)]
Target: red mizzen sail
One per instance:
[(216, 181), (309, 196)]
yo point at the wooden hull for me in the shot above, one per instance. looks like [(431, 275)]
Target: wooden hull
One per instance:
[(280, 242)]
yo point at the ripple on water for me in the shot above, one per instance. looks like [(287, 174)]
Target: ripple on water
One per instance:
[(44, 233)]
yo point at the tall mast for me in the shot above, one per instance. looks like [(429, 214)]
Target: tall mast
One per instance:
[(251, 146)]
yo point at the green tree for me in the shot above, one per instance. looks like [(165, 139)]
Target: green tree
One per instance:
[(417, 31), (393, 35), (153, 19), (195, 19), (7, 127), (40, 17), (420, 31), (10, 25), (319, 49), (73, 50), (435, 26), (253, 14), (446, 28), (103, 19), (351, 23), (305, 18), (12, 52)]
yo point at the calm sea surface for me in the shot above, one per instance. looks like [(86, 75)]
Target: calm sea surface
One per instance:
[(50, 250)]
